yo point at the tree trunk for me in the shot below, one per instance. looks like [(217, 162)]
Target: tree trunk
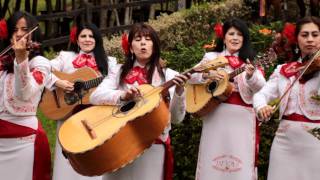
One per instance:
[(103, 15)]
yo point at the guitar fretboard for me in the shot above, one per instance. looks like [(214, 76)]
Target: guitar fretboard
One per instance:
[(93, 82)]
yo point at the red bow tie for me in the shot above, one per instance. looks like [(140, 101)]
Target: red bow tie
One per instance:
[(137, 74), (83, 60), (234, 61)]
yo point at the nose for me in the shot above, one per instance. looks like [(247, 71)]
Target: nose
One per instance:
[(19, 33)]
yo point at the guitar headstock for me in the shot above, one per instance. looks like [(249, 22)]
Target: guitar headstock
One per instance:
[(266, 59), (211, 64)]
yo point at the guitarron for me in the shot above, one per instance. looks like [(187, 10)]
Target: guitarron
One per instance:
[(103, 139)]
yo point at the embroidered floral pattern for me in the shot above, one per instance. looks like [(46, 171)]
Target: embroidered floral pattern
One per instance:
[(25, 107)]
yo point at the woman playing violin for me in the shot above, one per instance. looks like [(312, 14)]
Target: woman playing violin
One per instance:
[(24, 149), (228, 140), (143, 66), (294, 153)]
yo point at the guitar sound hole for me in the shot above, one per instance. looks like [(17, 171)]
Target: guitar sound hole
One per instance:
[(212, 86), (128, 106)]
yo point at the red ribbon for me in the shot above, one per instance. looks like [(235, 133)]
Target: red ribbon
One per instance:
[(138, 74), (42, 156), (290, 69), (168, 161), (234, 61), (84, 60), (300, 118)]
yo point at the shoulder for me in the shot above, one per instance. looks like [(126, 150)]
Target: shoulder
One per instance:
[(39, 61), (211, 55), (67, 54)]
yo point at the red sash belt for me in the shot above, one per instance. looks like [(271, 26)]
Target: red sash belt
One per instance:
[(42, 156), (300, 118), (235, 98), (168, 162)]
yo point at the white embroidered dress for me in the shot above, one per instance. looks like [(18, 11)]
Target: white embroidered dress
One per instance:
[(150, 165), (228, 139), (295, 153), (20, 93), (62, 168)]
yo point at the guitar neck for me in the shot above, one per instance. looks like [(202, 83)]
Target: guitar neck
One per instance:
[(236, 72), (93, 82), (170, 83)]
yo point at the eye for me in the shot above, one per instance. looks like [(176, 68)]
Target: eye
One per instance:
[(91, 36)]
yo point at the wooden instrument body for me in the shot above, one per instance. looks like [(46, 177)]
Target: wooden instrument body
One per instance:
[(53, 105), (119, 138), (203, 98)]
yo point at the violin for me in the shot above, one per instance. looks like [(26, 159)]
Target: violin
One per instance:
[(7, 56), (30, 45), (313, 67)]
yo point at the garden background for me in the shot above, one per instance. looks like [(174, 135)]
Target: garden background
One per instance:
[(183, 35)]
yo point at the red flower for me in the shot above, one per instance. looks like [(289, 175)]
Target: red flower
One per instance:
[(37, 75), (125, 43), (289, 33), (218, 29), (73, 34), (3, 29)]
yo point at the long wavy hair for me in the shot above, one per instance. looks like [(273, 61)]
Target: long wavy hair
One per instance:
[(246, 51), (141, 29), (98, 51), (35, 37)]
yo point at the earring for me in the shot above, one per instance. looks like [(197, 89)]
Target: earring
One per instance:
[(296, 50), (132, 56), (224, 47)]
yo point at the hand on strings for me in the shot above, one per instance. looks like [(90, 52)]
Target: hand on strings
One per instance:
[(179, 81), (64, 84), (20, 48), (130, 94), (212, 75), (265, 112), (249, 68)]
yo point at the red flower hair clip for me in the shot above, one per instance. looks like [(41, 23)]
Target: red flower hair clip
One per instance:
[(73, 34), (289, 33), (125, 43), (3, 29), (218, 29)]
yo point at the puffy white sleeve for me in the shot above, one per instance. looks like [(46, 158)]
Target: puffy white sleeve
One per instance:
[(30, 80), (268, 92), (108, 93), (177, 103)]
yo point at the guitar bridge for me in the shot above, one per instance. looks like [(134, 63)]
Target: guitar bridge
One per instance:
[(89, 129)]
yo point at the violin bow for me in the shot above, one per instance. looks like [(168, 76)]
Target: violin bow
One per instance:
[(25, 35)]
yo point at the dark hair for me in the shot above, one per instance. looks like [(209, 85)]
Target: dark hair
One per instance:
[(246, 50), (36, 35), (98, 51), (142, 29), (300, 23)]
